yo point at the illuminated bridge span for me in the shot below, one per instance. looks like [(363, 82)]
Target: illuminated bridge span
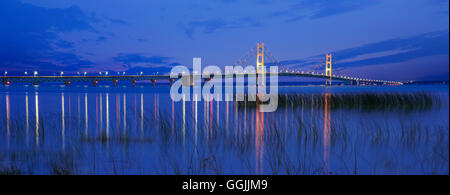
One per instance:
[(35, 80), (261, 53)]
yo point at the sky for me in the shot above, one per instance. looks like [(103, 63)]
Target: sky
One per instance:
[(378, 39)]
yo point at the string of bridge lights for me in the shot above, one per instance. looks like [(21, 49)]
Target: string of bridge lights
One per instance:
[(105, 73)]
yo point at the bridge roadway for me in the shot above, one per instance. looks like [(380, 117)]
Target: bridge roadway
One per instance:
[(35, 80)]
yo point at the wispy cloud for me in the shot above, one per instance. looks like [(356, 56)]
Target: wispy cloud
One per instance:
[(139, 58), (296, 11), (101, 39), (384, 52), (320, 9), (64, 44), (213, 25), (118, 21)]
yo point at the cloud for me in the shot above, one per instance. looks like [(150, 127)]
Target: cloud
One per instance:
[(134, 62), (101, 39), (29, 35), (429, 44), (64, 44), (320, 9), (209, 26), (118, 21), (296, 11), (399, 50), (325, 8), (141, 40), (138, 58)]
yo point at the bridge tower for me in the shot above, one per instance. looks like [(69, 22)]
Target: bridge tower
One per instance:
[(328, 67), (260, 60)]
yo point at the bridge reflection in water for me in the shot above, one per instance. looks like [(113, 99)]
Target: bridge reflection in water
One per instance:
[(259, 141)]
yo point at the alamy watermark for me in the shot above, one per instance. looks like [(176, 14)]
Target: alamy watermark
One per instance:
[(234, 78)]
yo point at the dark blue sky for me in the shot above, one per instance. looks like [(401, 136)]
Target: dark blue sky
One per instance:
[(382, 39)]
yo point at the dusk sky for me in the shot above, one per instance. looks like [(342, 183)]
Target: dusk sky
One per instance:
[(381, 39)]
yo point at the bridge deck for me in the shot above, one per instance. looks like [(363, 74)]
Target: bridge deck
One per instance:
[(134, 78)]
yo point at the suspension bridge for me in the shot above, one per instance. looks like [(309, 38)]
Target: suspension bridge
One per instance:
[(261, 53)]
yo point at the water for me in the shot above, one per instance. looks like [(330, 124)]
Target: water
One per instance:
[(54, 129)]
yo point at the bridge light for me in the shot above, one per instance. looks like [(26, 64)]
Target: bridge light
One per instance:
[(141, 73), (85, 73), (35, 73), (100, 73), (6, 73), (106, 73), (123, 73), (26, 73), (62, 73)]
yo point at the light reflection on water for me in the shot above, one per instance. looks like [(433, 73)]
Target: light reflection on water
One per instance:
[(326, 132), (36, 110), (142, 131)]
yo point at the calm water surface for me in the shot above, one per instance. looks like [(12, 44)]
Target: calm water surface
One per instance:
[(53, 129)]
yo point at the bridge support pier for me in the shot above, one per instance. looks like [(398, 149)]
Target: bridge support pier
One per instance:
[(36, 83), (94, 83), (154, 81), (133, 83), (66, 83), (115, 81)]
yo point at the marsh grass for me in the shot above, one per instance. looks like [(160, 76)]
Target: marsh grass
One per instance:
[(361, 101)]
